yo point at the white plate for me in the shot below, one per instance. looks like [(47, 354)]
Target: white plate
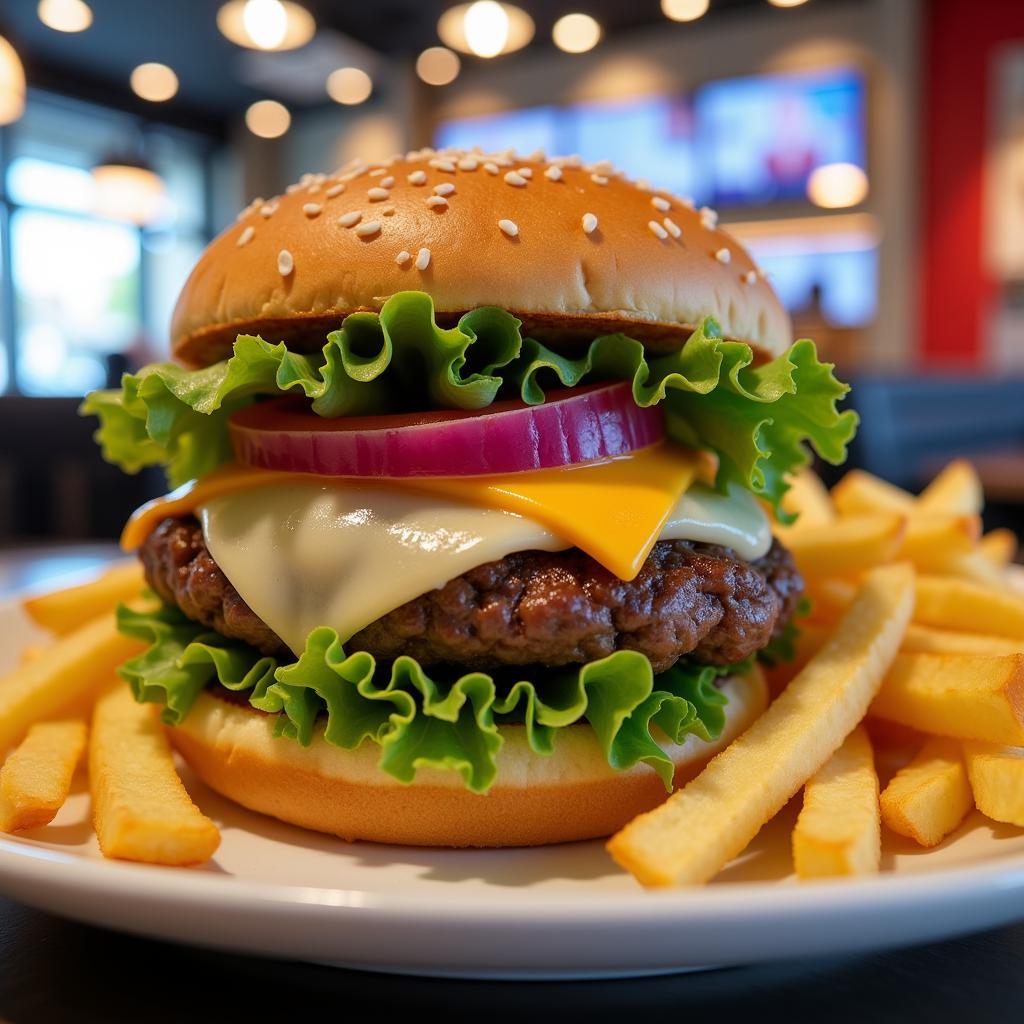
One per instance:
[(556, 912)]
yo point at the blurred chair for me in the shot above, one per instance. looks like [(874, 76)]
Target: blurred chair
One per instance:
[(911, 426), (53, 483)]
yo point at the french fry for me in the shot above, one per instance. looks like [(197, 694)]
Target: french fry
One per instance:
[(830, 598), (809, 499), (999, 546), (860, 493), (928, 799), (690, 837), (62, 611), (74, 669), (929, 640), (940, 543), (951, 603), (36, 777), (848, 545), (997, 780), (141, 810), (956, 489), (968, 696), (973, 565), (838, 831)]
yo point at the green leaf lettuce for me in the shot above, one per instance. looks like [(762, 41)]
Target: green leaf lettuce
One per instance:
[(758, 419)]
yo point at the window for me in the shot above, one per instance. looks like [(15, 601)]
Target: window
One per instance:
[(84, 297)]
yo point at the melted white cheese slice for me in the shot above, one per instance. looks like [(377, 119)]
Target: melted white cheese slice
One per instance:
[(342, 555)]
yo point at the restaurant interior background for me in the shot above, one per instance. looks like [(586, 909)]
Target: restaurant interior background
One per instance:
[(839, 139)]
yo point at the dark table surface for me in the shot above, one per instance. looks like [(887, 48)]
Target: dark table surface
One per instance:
[(57, 970)]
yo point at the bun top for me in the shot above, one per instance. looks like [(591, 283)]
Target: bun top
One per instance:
[(569, 248)]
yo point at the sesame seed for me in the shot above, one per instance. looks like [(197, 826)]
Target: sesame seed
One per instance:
[(371, 227), (599, 179), (491, 168), (312, 209), (750, 277), (445, 189), (468, 163), (388, 211), (312, 190), (538, 156), (589, 223), (378, 171), (602, 167), (514, 178), (643, 184), (443, 165), (553, 174), (376, 195), (268, 210), (437, 202), (672, 227), (348, 220), (687, 201), (661, 204), (294, 187), (388, 182), (510, 227), (708, 217), (417, 178), (723, 255), (246, 236), (423, 259), (657, 229), (335, 190), (403, 257), (285, 263), (526, 172)]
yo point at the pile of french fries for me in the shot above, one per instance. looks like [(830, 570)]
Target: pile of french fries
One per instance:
[(65, 699), (915, 639)]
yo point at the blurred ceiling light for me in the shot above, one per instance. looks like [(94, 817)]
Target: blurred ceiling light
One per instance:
[(12, 84), (485, 28), (786, 3), (835, 186), (268, 119), (154, 82), (684, 10), (65, 15), (266, 24), (128, 189), (438, 65), (576, 33), (349, 86)]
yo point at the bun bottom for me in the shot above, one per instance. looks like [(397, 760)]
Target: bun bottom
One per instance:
[(569, 795)]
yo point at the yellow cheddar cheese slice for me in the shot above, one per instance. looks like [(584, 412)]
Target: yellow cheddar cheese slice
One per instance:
[(614, 510)]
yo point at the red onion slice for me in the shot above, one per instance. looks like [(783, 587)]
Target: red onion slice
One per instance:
[(572, 426)]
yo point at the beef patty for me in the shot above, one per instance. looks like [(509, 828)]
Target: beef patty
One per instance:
[(532, 607)]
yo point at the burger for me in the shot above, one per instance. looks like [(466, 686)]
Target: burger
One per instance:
[(475, 457)]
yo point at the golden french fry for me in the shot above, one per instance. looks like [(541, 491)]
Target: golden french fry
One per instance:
[(141, 810), (62, 611), (952, 603), (36, 777), (808, 498), (690, 837), (838, 831), (928, 799), (997, 781), (860, 493), (956, 489), (968, 696), (75, 668), (30, 653), (940, 543), (830, 598), (999, 546), (849, 545), (929, 640), (974, 565)]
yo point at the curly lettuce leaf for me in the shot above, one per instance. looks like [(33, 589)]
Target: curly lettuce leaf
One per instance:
[(422, 720), (758, 419)]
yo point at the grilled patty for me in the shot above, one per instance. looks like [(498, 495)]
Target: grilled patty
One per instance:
[(529, 608)]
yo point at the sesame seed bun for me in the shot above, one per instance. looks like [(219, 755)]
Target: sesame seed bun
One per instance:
[(571, 794), (571, 250)]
